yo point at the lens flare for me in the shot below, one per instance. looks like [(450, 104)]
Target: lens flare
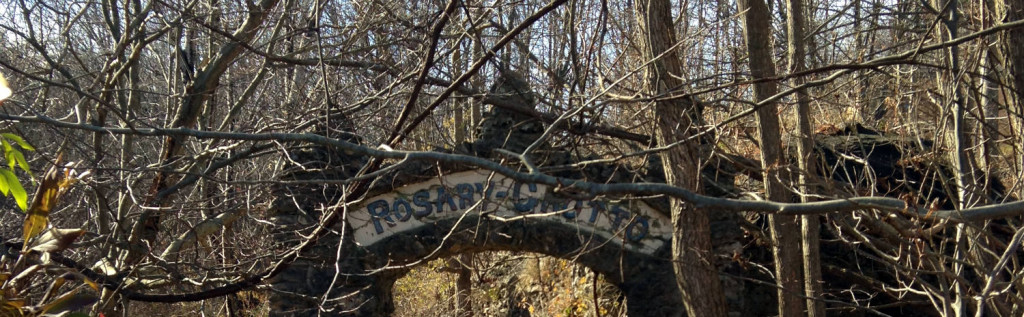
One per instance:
[(5, 91)]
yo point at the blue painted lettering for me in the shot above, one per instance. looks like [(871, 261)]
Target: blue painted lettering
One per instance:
[(379, 210), (634, 234), (557, 205), (465, 193), (575, 211), (485, 193), (462, 196), (530, 202), (596, 207), (401, 202), (422, 199), (444, 197), (619, 214)]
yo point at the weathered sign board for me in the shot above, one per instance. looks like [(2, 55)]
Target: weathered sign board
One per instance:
[(631, 223)]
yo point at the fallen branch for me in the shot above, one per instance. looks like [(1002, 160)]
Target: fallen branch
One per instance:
[(701, 201)]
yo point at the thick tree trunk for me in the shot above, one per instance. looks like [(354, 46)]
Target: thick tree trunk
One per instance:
[(784, 229), (676, 119)]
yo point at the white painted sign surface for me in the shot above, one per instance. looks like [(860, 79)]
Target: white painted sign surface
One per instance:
[(632, 223)]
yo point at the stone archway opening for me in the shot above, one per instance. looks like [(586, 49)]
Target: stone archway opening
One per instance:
[(625, 241), (505, 283)]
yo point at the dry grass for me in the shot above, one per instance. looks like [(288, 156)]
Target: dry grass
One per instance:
[(509, 284)]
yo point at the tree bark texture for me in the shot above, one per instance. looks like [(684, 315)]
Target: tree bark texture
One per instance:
[(784, 229), (810, 224), (1015, 12), (1015, 57), (691, 240)]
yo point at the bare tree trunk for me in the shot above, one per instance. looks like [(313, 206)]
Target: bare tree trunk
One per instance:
[(476, 111), (1015, 57), (460, 264), (784, 229), (1015, 52), (676, 120), (458, 120), (988, 109), (964, 173), (988, 104), (144, 232), (795, 26)]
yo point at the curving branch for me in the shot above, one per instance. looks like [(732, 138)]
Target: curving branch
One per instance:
[(199, 232), (197, 93), (591, 188), (475, 68), (428, 62)]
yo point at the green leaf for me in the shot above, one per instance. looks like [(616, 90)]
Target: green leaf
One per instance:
[(20, 159), (8, 154), (7, 145), (4, 187), (17, 139), (20, 196)]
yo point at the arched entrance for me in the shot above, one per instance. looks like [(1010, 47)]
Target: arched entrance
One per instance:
[(424, 212), (625, 241)]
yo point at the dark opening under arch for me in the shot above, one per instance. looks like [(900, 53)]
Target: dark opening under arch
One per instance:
[(646, 280)]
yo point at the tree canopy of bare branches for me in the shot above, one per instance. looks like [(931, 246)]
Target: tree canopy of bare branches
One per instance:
[(891, 129)]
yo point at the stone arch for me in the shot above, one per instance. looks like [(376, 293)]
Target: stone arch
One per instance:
[(374, 256), (625, 241), (355, 283)]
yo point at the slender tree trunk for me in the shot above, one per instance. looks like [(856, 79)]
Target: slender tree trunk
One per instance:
[(676, 119), (476, 111), (458, 120), (1015, 57), (966, 185), (988, 105), (795, 26), (784, 229), (989, 111), (460, 263), (1015, 51)]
